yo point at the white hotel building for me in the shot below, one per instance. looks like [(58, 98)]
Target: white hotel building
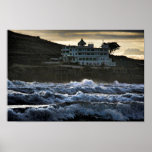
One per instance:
[(87, 55)]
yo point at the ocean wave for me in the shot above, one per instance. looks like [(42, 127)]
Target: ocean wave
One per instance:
[(79, 111), (47, 97), (86, 86), (85, 100)]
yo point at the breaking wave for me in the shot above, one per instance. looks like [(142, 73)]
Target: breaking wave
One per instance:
[(75, 101)]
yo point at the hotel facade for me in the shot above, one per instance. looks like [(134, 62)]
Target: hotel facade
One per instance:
[(87, 55)]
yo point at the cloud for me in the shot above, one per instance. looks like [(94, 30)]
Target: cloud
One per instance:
[(86, 34), (100, 34), (133, 52)]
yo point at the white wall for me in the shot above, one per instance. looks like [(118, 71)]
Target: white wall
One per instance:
[(75, 136)]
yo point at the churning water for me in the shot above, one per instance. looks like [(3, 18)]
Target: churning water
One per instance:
[(75, 101)]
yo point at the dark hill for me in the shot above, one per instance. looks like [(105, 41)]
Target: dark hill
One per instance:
[(27, 54), (24, 49), (123, 61)]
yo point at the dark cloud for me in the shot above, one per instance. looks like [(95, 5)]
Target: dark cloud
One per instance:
[(91, 31), (88, 34), (114, 36), (100, 34), (133, 52)]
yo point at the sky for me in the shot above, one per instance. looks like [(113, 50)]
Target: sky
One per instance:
[(131, 41)]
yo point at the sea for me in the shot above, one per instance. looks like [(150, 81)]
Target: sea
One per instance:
[(75, 101)]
